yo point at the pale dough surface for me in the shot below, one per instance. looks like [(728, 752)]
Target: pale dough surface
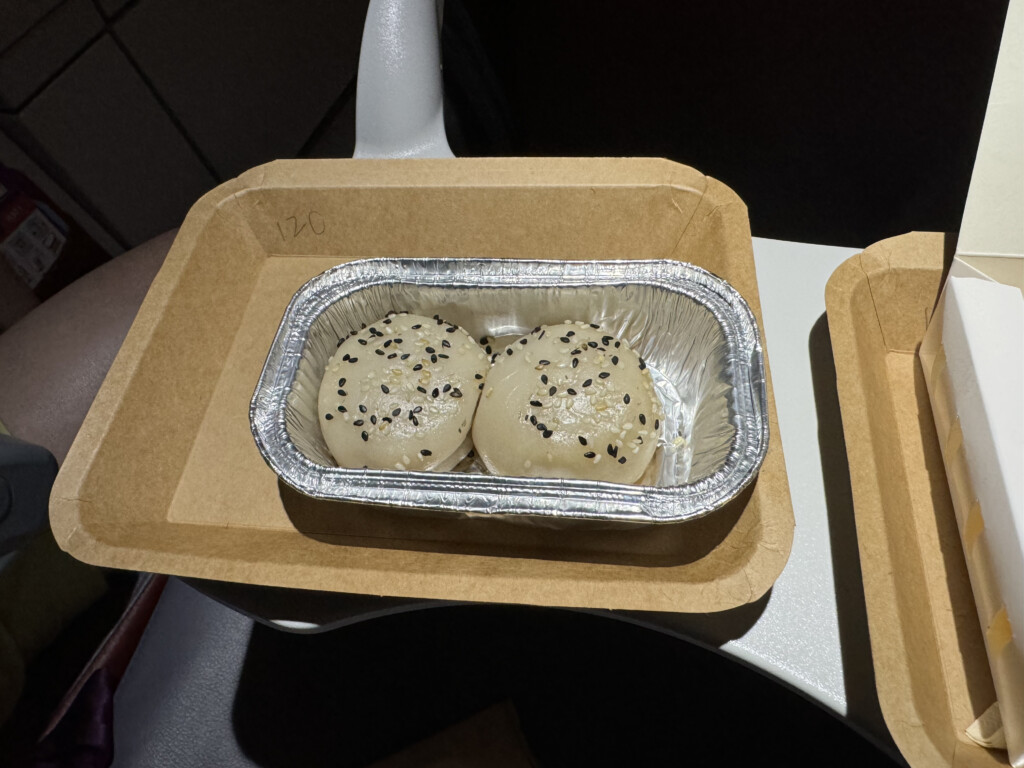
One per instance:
[(400, 394), (568, 401)]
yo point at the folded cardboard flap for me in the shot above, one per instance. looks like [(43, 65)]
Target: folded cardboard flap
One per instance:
[(164, 475), (928, 650)]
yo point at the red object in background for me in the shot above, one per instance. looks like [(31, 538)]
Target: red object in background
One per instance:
[(42, 249)]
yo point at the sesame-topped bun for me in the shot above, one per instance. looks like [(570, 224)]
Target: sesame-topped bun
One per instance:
[(401, 394), (568, 401)]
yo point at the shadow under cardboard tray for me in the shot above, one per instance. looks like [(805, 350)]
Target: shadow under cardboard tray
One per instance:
[(380, 527)]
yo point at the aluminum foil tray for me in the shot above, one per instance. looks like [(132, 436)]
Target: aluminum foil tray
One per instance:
[(695, 331)]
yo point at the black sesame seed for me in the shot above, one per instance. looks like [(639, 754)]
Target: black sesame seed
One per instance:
[(456, 392), (357, 423), (603, 375), (582, 439), (373, 419), (481, 386), (570, 333), (552, 390), (545, 362), (387, 321), (405, 356), (615, 360), (417, 326), (345, 358), (533, 420), (544, 378), (622, 460), (542, 427), (436, 392), (642, 364), (340, 342), (576, 352), (657, 424), (362, 408), (373, 330), (643, 419), (446, 387), (592, 344), (588, 382), (364, 342), (353, 359), (483, 339), (365, 437), (418, 367), (396, 412), (342, 409), (418, 409), (387, 343), (450, 329), (446, 344), (547, 433), (430, 350), (508, 351), (433, 358), (342, 392), (522, 341), (425, 452), (328, 416), (618, 344), (487, 349), (595, 326), (421, 389), (589, 455), (443, 355), (415, 421), (536, 403), (571, 391), (379, 352), (575, 362), (625, 398), (398, 341), (478, 375), (384, 389), (565, 339), (606, 340), (392, 356), (341, 382), (612, 450)]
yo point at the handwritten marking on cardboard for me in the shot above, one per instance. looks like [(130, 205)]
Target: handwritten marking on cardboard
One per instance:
[(292, 226)]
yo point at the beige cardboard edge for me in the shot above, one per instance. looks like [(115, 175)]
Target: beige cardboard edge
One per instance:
[(68, 505), (893, 658), (65, 511)]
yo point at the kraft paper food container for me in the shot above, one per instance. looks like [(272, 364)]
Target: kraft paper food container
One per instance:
[(931, 669), (165, 476)]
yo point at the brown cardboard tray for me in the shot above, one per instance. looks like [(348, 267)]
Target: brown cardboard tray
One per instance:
[(165, 476), (932, 673)]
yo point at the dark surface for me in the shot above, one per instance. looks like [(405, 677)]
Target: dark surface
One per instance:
[(838, 123), (208, 686), (52, 673), (588, 690)]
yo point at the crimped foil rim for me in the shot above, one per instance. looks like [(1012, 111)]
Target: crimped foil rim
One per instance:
[(468, 495)]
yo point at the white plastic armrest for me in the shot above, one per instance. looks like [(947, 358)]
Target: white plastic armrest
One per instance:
[(399, 94)]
